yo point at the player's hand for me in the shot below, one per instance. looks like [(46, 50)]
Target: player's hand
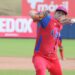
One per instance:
[(33, 14), (37, 16), (63, 59), (72, 20)]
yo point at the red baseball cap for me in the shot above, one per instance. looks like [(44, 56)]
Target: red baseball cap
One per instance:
[(61, 8)]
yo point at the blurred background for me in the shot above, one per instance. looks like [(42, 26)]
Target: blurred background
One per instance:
[(10, 7), (18, 35)]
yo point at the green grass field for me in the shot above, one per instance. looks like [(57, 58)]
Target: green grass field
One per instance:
[(23, 72), (25, 47), (16, 47)]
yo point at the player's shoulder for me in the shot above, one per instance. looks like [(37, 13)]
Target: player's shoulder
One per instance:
[(45, 21)]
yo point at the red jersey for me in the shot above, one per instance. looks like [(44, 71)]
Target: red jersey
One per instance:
[(47, 38)]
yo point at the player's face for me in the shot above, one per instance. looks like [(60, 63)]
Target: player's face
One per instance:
[(59, 15)]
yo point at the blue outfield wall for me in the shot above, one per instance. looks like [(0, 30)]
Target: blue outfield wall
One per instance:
[(68, 31)]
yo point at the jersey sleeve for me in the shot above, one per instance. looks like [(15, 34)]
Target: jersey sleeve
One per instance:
[(44, 22)]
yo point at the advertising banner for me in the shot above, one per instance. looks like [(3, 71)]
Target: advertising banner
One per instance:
[(51, 5), (17, 27)]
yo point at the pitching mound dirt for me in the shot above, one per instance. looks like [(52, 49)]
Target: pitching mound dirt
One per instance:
[(26, 63)]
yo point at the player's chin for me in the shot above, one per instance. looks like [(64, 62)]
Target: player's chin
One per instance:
[(57, 18)]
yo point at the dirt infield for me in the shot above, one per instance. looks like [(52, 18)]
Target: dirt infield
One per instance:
[(26, 63)]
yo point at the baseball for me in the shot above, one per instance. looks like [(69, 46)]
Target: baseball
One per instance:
[(32, 13)]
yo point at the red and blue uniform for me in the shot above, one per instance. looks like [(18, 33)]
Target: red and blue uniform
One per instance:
[(60, 38), (45, 52)]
